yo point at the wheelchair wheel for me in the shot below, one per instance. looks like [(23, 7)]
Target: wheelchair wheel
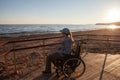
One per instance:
[(74, 68)]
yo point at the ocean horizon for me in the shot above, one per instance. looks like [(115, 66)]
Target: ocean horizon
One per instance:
[(28, 29)]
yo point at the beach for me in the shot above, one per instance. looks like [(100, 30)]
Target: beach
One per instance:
[(19, 49)]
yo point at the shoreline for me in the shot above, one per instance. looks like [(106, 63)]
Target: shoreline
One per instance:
[(95, 31), (88, 32)]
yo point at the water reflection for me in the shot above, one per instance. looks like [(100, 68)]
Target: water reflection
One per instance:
[(112, 27)]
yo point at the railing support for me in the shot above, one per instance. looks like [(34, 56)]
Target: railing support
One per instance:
[(14, 59), (14, 56), (6, 64), (44, 52), (105, 59)]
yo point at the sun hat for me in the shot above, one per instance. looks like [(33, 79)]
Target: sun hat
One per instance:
[(65, 31)]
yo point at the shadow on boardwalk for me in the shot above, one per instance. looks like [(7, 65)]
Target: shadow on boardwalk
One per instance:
[(42, 77)]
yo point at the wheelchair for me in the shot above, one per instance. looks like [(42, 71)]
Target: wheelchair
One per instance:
[(70, 67)]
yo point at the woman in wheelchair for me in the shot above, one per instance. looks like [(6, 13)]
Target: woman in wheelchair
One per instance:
[(64, 50)]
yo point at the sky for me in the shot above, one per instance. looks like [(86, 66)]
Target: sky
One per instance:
[(59, 11)]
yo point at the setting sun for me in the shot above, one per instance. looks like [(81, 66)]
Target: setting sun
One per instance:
[(113, 15)]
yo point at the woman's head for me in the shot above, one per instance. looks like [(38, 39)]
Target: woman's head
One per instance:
[(65, 31)]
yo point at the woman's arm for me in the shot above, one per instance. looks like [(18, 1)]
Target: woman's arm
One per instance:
[(68, 46)]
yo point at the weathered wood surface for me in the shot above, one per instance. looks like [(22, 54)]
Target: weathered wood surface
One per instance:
[(94, 63)]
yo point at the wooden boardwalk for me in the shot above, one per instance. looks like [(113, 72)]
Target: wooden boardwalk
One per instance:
[(94, 63)]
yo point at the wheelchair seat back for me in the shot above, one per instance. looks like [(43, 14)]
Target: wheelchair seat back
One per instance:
[(77, 49)]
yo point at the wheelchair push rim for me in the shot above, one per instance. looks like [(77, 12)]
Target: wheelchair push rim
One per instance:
[(74, 68)]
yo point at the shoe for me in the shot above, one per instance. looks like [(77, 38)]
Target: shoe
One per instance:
[(46, 72)]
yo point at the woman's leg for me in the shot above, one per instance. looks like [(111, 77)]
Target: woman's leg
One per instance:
[(50, 58)]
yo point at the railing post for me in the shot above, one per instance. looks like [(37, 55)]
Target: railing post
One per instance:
[(103, 66), (5, 59), (44, 51), (6, 64), (14, 59), (87, 44)]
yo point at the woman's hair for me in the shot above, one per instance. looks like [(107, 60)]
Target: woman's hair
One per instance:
[(71, 36)]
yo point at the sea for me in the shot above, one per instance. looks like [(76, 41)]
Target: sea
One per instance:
[(28, 29)]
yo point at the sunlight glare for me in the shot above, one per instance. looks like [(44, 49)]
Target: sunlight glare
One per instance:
[(113, 15), (112, 27)]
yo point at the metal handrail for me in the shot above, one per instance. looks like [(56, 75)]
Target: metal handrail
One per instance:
[(26, 40), (105, 40), (51, 45), (59, 37), (35, 46)]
